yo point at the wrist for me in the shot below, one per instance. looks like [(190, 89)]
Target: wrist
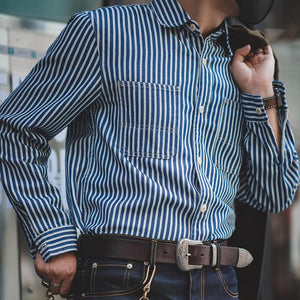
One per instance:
[(264, 92)]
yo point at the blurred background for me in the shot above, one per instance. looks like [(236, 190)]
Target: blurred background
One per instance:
[(27, 28)]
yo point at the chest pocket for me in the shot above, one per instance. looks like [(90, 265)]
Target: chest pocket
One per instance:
[(148, 120), (227, 149)]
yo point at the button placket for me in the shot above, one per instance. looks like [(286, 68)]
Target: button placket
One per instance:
[(201, 109), (199, 161), (203, 207)]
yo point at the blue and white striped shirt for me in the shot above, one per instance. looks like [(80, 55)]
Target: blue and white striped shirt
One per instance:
[(157, 133)]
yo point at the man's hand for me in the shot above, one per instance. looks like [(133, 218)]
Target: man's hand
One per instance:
[(253, 72), (59, 270)]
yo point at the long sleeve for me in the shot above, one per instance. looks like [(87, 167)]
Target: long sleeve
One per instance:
[(60, 86), (268, 179)]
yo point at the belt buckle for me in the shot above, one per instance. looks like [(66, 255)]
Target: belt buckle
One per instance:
[(182, 254)]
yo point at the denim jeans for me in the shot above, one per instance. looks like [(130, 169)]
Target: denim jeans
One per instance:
[(119, 279)]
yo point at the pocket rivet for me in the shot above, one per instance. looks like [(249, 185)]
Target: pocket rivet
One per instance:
[(129, 266), (146, 263), (94, 265)]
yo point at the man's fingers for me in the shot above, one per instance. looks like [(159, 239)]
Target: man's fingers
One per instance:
[(268, 50), (58, 272), (55, 288), (241, 54), (259, 50), (65, 287)]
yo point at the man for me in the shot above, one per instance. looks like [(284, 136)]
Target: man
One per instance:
[(158, 130)]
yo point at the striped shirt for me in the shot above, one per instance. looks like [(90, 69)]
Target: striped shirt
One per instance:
[(160, 141)]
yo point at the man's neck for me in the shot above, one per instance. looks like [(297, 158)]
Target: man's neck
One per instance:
[(208, 14)]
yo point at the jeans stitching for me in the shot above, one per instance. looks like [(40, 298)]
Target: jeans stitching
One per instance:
[(120, 293), (124, 278), (128, 277), (92, 293), (227, 289), (92, 279), (95, 271)]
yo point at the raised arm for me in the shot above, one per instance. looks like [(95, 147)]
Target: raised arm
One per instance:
[(270, 174)]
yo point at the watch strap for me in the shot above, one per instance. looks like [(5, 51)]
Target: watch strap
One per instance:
[(274, 101)]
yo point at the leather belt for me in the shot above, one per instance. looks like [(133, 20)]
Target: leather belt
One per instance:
[(187, 254)]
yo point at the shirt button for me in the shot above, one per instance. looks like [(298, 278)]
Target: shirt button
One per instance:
[(199, 160), (201, 109), (258, 111), (204, 61), (203, 208), (193, 27)]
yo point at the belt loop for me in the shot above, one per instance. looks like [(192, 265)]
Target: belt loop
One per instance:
[(153, 253), (217, 267)]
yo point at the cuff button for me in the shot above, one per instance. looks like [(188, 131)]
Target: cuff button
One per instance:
[(258, 110), (43, 246)]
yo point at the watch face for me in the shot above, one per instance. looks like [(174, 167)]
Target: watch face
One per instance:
[(254, 11)]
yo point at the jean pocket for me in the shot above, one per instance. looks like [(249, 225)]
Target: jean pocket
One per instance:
[(228, 281), (148, 120), (227, 148), (113, 277)]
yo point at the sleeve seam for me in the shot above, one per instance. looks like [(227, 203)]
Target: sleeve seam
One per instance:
[(98, 50)]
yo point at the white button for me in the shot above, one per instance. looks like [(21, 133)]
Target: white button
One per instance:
[(258, 111), (129, 266), (193, 27), (203, 208), (199, 160), (204, 61), (201, 109)]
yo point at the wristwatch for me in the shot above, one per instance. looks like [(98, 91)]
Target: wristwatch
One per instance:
[(274, 101)]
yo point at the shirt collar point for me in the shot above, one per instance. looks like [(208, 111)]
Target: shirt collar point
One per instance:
[(169, 13)]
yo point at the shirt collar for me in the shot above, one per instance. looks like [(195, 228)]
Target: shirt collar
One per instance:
[(171, 14)]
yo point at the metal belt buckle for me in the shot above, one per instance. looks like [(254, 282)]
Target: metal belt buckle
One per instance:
[(182, 255)]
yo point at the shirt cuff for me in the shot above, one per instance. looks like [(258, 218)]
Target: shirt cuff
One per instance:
[(56, 241), (253, 107)]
